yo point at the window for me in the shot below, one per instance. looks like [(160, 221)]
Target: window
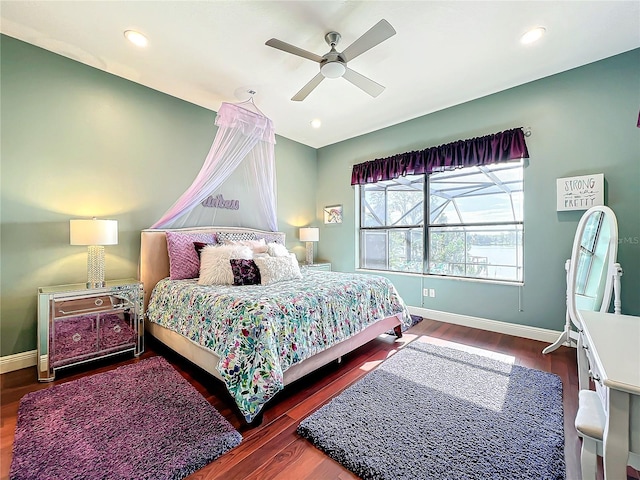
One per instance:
[(392, 226), (474, 228)]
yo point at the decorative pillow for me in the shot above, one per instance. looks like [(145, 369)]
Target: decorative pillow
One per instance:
[(271, 237), (215, 265), (183, 259), (234, 236), (256, 246), (199, 246), (245, 272), (278, 269), (277, 250)]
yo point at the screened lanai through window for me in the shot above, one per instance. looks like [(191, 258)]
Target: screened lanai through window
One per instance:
[(392, 224), (474, 227)]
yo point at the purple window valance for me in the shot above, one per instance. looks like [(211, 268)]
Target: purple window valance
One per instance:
[(498, 147)]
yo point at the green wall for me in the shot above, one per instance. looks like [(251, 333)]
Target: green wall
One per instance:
[(78, 142), (582, 121)]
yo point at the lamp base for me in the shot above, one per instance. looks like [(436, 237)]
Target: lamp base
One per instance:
[(95, 267), (309, 258)]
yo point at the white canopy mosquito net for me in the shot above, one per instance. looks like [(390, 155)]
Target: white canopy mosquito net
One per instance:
[(237, 183)]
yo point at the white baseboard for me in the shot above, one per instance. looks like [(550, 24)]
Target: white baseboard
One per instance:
[(9, 363), (524, 331)]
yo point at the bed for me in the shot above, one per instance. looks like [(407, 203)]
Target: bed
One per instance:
[(259, 338)]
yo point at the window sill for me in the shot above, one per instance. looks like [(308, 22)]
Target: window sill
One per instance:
[(443, 277)]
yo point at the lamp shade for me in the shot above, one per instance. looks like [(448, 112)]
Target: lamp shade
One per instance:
[(93, 232), (309, 234)]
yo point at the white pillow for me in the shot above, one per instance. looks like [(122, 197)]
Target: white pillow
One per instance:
[(277, 250), (215, 265), (257, 246), (277, 269)]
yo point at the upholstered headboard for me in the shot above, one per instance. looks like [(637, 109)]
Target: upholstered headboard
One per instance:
[(154, 256)]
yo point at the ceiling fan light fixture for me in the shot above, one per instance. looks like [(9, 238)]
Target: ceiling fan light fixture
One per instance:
[(136, 38), (333, 64), (333, 69)]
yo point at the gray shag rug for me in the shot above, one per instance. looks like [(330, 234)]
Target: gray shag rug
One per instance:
[(430, 412), (139, 421)]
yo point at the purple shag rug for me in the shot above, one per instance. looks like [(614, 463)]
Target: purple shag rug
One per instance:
[(430, 412), (139, 421)]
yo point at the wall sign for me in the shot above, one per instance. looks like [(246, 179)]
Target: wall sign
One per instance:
[(580, 193), (219, 202)]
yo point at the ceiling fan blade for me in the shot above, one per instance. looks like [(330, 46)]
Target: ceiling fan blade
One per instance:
[(286, 47), (372, 37), (372, 88), (308, 88)]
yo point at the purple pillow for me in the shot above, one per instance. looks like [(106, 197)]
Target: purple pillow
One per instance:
[(183, 259), (245, 272), (199, 246)]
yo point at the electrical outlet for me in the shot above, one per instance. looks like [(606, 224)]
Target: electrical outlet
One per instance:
[(432, 292), (425, 292)]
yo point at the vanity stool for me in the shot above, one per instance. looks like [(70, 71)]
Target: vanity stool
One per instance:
[(590, 423)]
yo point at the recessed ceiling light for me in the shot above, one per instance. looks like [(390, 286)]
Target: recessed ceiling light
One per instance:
[(533, 35), (136, 38), (316, 123)]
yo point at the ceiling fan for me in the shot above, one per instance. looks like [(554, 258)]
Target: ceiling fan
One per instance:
[(334, 64)]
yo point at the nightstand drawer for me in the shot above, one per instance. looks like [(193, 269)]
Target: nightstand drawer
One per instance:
[(116, 332), (73, 339), (78, 306)]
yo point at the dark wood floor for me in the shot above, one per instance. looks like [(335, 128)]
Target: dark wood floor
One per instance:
[(273, 450)]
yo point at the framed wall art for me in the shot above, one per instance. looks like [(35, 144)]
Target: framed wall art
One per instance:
[(333, 214)]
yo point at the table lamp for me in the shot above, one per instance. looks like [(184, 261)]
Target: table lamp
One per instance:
[(309, 235), (94, 233)]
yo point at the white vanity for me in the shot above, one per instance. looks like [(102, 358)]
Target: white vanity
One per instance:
[(608, 349), (613, 361)]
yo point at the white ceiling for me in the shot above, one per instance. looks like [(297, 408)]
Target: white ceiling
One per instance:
[(444, 53)]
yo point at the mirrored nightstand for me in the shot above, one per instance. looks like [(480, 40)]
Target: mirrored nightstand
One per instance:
[(77, 324), (319, 266)]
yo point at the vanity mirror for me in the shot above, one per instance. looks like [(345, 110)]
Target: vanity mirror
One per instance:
[(592, 272)]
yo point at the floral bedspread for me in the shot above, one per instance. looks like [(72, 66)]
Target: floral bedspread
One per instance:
[(260, 331)]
